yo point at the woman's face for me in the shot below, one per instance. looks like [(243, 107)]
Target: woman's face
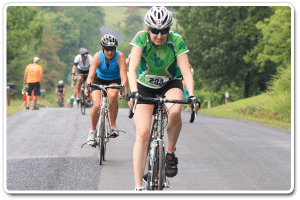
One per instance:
[(158, 36), (109, 52)]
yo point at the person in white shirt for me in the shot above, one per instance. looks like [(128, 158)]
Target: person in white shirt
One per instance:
[(82, 63)]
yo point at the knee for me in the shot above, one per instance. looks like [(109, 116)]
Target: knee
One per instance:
[(113, 98), (142, 137), (175, 114)]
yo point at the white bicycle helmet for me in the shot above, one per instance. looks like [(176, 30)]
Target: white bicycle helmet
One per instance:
[(61, 82), (159, 18), (109, 41), (83, 51)]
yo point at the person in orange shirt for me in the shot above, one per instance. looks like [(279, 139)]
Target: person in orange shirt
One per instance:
[(33, 76)]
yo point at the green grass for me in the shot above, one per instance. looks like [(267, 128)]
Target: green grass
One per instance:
[(15, 106), (254, 109), (115, 15)]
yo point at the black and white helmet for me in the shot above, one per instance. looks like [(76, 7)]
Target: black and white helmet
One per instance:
[(83, 51), (109, 41), (158, 17)]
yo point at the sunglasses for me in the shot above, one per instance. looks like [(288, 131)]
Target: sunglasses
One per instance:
[(109, 49), (163, 31)]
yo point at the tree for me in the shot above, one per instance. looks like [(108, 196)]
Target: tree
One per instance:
[(24, 27), (53, 67), (24, 35), (67, 30), (275, 45), (218, 38)]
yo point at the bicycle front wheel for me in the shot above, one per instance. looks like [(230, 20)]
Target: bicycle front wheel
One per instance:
[(83, 100), (101, 132), (161, 165)]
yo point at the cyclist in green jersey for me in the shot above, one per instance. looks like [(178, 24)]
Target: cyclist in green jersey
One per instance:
[(158, 62)]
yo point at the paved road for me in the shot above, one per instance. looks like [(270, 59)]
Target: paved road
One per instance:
[(215, 154)]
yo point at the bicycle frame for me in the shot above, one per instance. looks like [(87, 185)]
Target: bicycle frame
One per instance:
[(103, 127), (156, 141), (103, 106), (156, 176)]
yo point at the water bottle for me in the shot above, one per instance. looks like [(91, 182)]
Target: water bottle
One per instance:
[(152, 145)]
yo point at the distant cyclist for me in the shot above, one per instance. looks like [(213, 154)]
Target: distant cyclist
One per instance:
[(82, 63), (60, 89), (108, 68), (158, 61), (33, 76)]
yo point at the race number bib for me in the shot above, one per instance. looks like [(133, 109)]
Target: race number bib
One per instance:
[(156, 80)]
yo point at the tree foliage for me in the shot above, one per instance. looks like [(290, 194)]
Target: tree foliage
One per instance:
[(24, 27), (218, 38), (232, 48), (275, 45)]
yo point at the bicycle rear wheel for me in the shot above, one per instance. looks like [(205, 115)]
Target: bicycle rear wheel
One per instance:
[(101, 132), (83, 104)]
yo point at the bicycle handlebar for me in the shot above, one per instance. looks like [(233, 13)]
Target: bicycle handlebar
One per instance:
[(163, 100), (104, 87)]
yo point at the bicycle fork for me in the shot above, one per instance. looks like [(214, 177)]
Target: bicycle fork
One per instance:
[(107, 117), (156, 167)]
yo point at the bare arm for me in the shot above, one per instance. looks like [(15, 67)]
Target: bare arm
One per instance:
[(74, 69), (95, 63), (184, 65), (25, 78), (42, 80), (134, 64), (123, 68)]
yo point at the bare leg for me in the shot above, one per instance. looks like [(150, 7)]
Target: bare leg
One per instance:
[(96, 95), (174, 117), (113, 104), (34, 102), (142, 118)]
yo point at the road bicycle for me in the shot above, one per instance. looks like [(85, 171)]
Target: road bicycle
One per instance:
[(155, 177), (103, 125), (60, 102), (83, 98)]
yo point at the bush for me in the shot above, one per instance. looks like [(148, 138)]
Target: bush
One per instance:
[(280, 97)]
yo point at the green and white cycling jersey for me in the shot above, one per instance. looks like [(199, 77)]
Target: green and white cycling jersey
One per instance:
[(159, 64)]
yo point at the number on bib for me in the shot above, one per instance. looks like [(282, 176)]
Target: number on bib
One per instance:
[(156, 80)]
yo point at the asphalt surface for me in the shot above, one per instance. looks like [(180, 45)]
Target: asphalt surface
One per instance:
[(43, 153)]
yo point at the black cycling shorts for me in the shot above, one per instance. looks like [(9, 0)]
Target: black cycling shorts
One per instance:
[(149, 92), (79, 71), (35, 87), (100, 81)]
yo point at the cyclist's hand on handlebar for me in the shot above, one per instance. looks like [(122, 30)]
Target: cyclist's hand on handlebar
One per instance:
[(192, 100), (130, 99), (88, 87), (121, 95)]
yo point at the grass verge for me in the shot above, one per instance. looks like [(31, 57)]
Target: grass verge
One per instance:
[(252, 109)]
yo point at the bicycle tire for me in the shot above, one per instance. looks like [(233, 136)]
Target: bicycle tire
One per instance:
[(161, 168), (152, 178), (60, 100), (82, 104), (101, 136), (104, 143)]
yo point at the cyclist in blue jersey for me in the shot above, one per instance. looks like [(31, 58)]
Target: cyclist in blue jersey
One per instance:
[(158, 62), (108, 67)]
